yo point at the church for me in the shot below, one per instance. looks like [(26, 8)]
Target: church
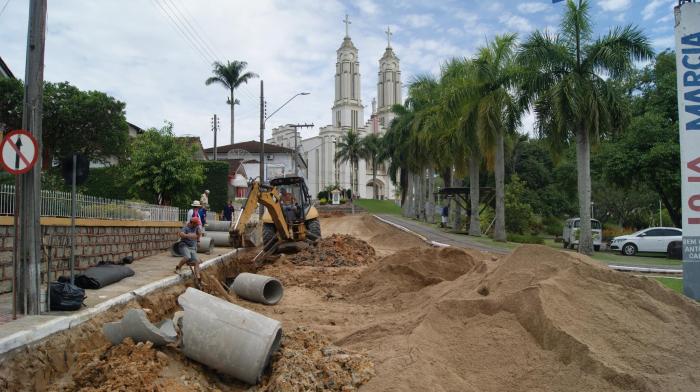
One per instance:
[(347, 113)]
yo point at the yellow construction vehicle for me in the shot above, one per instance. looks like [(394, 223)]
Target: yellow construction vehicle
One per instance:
[(289, 222)]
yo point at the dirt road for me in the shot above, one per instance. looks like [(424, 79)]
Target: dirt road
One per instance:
[(412, 317)]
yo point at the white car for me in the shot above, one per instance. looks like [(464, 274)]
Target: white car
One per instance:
[(571, 233), (653, 239)]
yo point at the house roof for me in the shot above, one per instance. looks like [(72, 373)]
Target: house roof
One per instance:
[(138, 129), (252, 147), (5, 69)]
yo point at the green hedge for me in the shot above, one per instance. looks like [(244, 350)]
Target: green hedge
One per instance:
[(215, 179), (525, 239), (106, 182)]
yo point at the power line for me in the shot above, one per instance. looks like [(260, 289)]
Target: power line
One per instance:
[(206, 44), (4, 6), (182, 33)]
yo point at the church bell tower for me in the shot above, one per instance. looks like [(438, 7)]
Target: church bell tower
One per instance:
[(389, 83), (347, 112)]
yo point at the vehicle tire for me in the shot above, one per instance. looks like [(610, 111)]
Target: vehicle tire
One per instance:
[(596, 248), (313, 226), (566, 245), (269, 231), (629, 249)]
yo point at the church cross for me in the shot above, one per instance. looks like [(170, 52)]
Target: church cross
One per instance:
[(347, 22), (388, 36)]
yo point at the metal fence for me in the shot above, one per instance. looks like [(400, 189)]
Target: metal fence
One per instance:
[(58, 204)]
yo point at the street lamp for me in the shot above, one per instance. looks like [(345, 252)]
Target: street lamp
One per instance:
[(262, 134)]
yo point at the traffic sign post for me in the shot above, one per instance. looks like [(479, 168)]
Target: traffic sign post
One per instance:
[(19, 151)]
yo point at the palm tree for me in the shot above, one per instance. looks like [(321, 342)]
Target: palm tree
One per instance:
[(397, 150), (498, 112), (373, 152), (231, 75), (567, 84), (349, 149)]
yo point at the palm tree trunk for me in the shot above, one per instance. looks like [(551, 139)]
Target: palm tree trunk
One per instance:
[(430, 204), (374, 179), (583, 165), (233, 105), (410, 196), (457, 210), (474, 221), (499, 174), (420, 203)]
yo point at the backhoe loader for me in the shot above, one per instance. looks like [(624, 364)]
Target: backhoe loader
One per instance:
[(290, 222)]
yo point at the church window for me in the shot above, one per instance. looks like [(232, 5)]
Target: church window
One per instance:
[(337, 118)]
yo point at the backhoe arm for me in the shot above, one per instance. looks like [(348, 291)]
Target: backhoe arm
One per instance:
[(268, 197)]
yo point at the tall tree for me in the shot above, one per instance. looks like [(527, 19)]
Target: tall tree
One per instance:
[(568, 83), (349, 149), (231, 75), (373, 152)]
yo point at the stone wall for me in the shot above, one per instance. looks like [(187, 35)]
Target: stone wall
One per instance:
[(96, 240)]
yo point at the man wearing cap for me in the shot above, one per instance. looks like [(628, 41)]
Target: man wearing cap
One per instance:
[(204, 199), (187, 247), (197, 211)]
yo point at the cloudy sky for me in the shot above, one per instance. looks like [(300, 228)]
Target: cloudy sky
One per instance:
[(155, 54)]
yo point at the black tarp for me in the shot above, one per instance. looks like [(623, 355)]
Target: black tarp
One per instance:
[(102, 275)]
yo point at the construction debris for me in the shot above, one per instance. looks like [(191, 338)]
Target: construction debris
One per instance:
[(338, 250), (135, 325)]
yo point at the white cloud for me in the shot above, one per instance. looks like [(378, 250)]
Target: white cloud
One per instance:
[(665, 42), (517, 23), (367, 6), (614, 5), (650, 9), (532, 8), (419, 21)]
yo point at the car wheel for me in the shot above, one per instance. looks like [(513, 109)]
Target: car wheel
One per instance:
[(596, 248), (629, 249)]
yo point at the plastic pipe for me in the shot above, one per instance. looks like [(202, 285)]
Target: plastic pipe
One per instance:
[(258, 288), (227, 337)]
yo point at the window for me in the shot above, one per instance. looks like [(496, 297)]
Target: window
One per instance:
[(672, 232), (655, 233), (337, 118)]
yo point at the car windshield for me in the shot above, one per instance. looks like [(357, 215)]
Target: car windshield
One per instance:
[(594, 224)]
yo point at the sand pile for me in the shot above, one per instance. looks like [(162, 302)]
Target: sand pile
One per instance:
[(309, 362), (338, 250), (540, 319)]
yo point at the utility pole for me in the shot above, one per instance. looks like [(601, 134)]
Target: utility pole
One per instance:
[(294, 158), (29, 206), (215, 128), (262, 133)]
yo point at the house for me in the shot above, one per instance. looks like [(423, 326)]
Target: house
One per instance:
[(5, 71), (278, 160)]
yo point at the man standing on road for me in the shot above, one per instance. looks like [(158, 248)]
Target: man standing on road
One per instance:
[(187, 247), (204, 199), (197, 211), (228, 211)]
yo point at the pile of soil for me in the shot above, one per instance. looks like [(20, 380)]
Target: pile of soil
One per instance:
[(338, 250), (539, 319), (308, 361)]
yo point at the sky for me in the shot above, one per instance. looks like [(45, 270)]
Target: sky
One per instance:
[(155, 55)]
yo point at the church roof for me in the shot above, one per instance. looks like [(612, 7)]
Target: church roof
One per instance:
[(389, 54), (347, 44)]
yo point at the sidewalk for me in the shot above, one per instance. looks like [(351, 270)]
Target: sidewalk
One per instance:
[(151, 273)]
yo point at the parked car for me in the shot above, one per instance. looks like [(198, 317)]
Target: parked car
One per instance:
[(571, 233), (653, 239)]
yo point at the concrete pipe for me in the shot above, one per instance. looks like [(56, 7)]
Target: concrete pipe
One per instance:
[(227, 337), (258, 288), (217, 226), (219, 238)]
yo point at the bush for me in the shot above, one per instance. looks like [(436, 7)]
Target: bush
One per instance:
[(525, 239), (323, 195), (553, 226), (611, 231), (323, 201), (106, 182), (519, 215), (216, 180), (486, 217)]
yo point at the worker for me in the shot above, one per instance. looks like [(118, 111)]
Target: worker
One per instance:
[(204, 199), (444, 215), (288, 205), (228, 211), (197, 211), (187, 247)]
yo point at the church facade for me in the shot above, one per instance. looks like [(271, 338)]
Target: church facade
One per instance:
[(347, 113)]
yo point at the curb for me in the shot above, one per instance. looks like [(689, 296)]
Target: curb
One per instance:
[(646, 269), (402, 228), (33, 335)]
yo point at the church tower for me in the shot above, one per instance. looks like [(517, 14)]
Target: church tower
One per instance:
[(348, 111), (388, 84)]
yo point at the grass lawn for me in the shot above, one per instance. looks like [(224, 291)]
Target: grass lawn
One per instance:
[(379, 206), (616, 258), (674, 284)]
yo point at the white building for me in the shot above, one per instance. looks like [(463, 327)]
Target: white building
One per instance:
[(347, 113)]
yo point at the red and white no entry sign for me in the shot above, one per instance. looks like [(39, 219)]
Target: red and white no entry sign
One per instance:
[(19, 151)]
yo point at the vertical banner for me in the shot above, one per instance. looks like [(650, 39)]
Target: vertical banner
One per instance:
[(688, 69)]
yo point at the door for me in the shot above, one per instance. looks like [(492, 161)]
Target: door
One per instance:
[(671, 235), (653, 241)]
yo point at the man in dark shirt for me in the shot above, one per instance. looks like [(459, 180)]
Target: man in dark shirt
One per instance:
[(189, 236), (228, 211)]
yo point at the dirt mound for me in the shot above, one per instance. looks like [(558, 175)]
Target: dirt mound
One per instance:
[(338, 250), (411, 270), (540, 319), (309, 362)]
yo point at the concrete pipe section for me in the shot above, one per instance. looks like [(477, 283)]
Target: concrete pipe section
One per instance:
[(258, 288), (205, 245), (217, 226), (219, 238), (227, 337), (135, 325)]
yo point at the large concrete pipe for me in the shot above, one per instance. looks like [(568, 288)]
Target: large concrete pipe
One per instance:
[(217, 226), (205, 245), (219, 238), (227, 337), (257, 288)]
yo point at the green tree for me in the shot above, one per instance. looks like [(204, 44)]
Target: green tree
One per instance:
[(519, 215), (349, 149), (162, 170), (564, 81), (372, 151), (88, 122), (231, 75)]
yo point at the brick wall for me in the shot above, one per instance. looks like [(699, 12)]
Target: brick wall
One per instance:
[(93, 244)]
